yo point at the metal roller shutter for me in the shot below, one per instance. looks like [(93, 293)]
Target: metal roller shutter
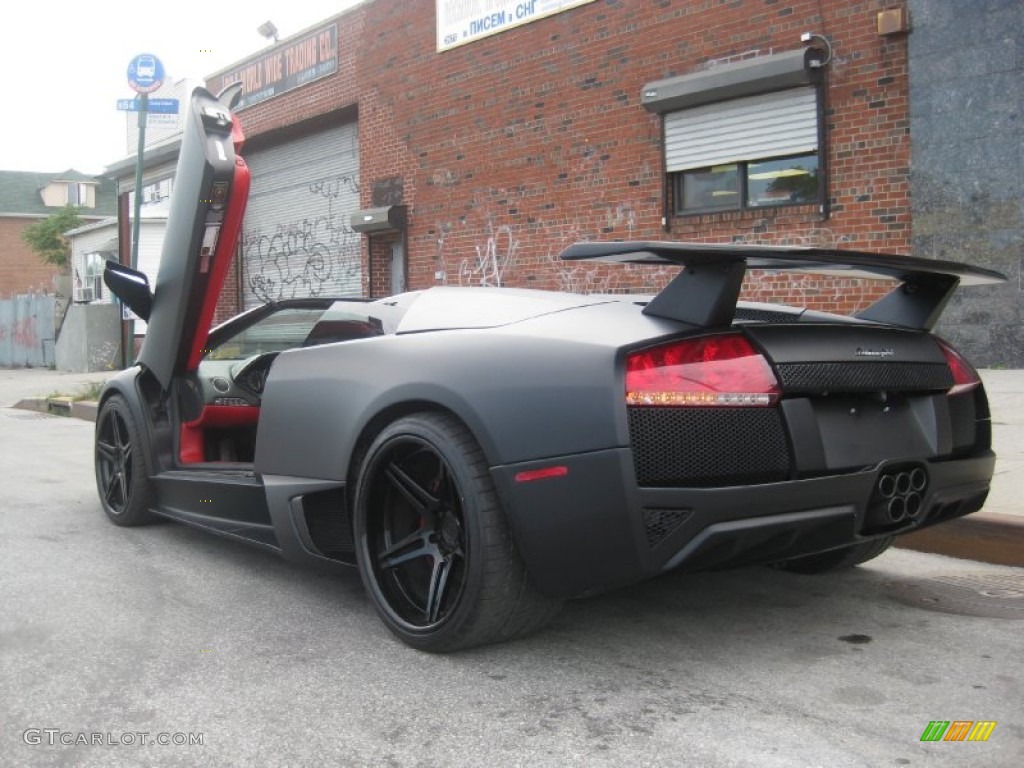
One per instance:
[(151, 245), (296, 240), (751, 128)]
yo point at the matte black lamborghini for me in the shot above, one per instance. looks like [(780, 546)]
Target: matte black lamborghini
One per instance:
[(482, 454)]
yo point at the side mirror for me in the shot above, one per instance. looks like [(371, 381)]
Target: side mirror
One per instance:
[(130, 286)]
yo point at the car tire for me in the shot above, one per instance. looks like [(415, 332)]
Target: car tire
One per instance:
[(838, 559), (433, 545), (125, 489)]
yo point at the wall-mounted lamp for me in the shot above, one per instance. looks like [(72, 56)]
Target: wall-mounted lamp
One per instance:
[(818, 43), (892, 22), (268, 30)]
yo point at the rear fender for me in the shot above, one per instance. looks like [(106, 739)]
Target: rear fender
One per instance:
[(319, 400)]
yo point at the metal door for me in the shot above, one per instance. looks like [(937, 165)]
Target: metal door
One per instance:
[(296, 240)]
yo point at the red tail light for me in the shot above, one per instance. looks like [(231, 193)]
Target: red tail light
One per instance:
[(711, 371), (965, 378)]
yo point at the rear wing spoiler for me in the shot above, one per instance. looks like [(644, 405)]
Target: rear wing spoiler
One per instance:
[(705, 292)]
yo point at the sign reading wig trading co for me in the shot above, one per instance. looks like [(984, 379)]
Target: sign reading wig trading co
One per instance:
[(463, 21), (287, 66)]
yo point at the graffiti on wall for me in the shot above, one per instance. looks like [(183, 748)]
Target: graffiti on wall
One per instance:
[(818, 237), (593, 277), (26, 330), (496, 245), (22, 334), (310, 256), (104, 357), (25, 333), (495, 256), (807, 289), (491, 247), (622, 216)]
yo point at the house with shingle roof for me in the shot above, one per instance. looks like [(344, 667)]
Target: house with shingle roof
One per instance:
[(27, 196)]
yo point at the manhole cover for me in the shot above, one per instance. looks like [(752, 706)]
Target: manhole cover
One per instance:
[(991, 595)]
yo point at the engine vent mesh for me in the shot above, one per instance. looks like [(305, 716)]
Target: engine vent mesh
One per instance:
[(707, 447), (328, 523), (813, 378), (765, 315), (659, 523)]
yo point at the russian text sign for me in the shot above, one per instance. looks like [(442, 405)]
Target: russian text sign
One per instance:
[(463, 21)]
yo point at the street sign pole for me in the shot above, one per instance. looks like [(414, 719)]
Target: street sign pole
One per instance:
[(145, 74), (137, 211)]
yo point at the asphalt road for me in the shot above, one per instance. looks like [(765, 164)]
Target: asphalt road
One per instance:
[(166, 630)]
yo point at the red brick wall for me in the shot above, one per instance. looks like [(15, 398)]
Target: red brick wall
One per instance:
[(229, 305), (517, 145), (21, 271)]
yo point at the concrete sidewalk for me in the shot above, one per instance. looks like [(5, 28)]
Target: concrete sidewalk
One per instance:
[(1006, 398), (17, 384), (56, 392), (994, 535)]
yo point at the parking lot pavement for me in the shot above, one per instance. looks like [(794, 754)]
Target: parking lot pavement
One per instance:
[(125, 634), (20, 383)]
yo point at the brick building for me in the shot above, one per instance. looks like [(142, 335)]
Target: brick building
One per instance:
[(26, 197), (477, 139)]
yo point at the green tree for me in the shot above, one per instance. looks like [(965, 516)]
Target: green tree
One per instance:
[(46, 236)]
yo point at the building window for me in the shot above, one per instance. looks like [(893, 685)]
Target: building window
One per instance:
[(78, 194), (753, 184), (157, 191), (754, 152), (89, 281)]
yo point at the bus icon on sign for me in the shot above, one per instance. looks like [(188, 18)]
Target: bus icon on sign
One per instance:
[(145, 73), (145, 67)]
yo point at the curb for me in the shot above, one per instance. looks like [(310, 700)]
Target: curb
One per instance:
[(988, 537), (60, 406), (85, 410), (37, 404)]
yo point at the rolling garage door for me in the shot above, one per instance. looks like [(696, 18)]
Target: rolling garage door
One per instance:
[(751, 128), (296, 240)]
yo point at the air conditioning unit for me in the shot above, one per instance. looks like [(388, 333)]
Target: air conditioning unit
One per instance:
[(84, 295)]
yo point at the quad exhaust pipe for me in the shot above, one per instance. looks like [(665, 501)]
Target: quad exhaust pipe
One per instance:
[(902, 492)]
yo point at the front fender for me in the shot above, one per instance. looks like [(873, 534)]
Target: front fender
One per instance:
[(126, 385)]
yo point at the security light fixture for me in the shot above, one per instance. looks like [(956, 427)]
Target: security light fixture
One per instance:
[(268, 30), (820, 44)]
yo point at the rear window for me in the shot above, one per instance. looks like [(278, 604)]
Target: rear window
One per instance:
[(282, 330)]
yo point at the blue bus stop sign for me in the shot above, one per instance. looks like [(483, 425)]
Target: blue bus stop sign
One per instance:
[(145, 73)]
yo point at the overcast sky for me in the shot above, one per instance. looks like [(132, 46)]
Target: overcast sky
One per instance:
[(64, 66)]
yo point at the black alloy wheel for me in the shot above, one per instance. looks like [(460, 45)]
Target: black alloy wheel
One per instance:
[(434, 549), (124, 487), (417, 537)]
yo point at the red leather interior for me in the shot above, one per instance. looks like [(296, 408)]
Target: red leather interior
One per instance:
[(212, 417)]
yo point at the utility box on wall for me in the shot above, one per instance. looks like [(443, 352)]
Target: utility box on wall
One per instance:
[(391, 218)]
